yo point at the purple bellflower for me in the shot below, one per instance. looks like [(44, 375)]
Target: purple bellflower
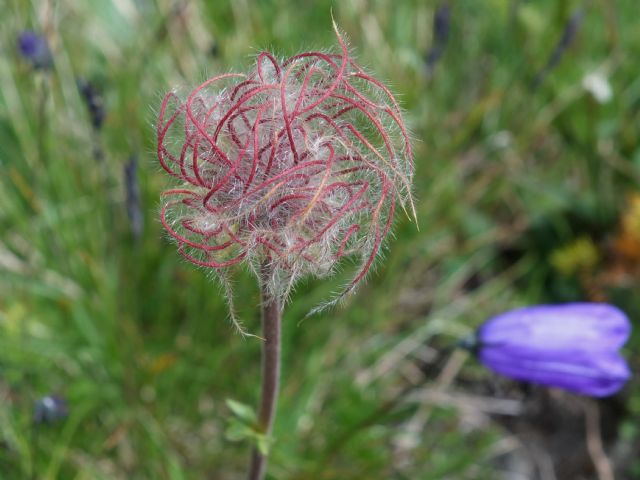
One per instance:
[(35, 49), (572, 346)]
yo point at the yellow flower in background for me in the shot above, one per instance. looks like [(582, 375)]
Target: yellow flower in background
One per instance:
[(579, 255)]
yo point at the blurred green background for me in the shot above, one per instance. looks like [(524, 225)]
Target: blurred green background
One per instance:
[(526, 119)]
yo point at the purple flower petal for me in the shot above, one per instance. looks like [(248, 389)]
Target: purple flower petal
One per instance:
[(572, 346), (549, 326)]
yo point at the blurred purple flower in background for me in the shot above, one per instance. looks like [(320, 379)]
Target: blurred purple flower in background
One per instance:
[(94, 102), (133, 202), (572, 346), (569, 34), (35, 49), (49, 409), (441, 27)]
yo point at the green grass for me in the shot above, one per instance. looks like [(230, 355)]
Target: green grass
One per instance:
[(139, 341)]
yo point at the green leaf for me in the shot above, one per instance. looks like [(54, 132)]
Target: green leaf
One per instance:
[(263, 444), (242, 411), (237, 431)]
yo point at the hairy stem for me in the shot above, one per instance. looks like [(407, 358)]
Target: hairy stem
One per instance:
[(271, 322)]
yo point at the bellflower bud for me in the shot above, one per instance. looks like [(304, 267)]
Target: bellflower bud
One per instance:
[(94, 102), (49, 409), (568, 36), (35, 49), (295, 165), (441, 27), (572, 346), (133, 201)]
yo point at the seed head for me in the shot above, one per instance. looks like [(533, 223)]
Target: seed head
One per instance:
[(294, 165)]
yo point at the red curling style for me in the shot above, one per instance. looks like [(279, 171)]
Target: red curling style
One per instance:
[(298, 163)]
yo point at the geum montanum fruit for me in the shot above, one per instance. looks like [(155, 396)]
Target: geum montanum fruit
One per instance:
[(293, 166), (288, 168)]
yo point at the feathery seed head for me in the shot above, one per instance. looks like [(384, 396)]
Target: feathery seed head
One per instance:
[(295, 164)]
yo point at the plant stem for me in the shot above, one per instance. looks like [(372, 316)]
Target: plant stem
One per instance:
[(271, 322)]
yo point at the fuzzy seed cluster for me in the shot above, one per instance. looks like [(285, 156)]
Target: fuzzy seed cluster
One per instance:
[(294, 165)]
